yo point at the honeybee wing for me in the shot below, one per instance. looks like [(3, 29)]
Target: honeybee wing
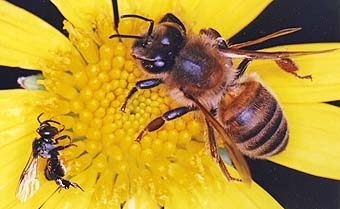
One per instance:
[(236, 156), (28, 182), (265, 38), (282, 58), (259, 55)]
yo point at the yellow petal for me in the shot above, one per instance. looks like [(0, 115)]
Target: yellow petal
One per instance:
[(27, 41), (17, 131), (18, 121), (212, 189), (227, 17), (314, 145), (324, 69), (83, 13)]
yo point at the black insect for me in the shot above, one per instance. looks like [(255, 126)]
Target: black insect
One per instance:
[(45, 147)]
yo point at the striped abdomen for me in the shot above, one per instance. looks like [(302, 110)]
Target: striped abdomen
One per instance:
[(254, 120)]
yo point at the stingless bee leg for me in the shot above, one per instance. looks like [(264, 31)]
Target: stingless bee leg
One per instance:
[(66, 184), (144, 84), (122, 204), (159, 122), (57, 190), (57, 149), (56, 141), (216, 155)]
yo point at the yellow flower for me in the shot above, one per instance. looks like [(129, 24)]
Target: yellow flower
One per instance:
[(85, 80)]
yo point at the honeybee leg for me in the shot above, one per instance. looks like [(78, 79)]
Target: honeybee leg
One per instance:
[(144, 84), (56, 141), (216, 155), (289, 66), (159, 122), (214, 34), (172, 18), (241, 68)]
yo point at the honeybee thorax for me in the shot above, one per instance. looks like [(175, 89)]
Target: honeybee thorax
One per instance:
[(199, 65), (254, 120)]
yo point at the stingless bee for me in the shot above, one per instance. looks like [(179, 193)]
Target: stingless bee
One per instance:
[(199, 73), (45, 147)]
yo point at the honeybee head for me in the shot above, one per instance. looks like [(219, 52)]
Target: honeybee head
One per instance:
[(157, 52), (157, 49)]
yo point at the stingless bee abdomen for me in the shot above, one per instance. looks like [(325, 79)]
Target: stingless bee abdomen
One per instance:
[(54, 169), (254, 119)]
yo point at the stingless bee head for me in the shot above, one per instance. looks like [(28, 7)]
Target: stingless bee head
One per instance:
[(47, 131)]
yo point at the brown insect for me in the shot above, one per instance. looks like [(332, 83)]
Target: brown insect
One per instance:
[(198, 70)]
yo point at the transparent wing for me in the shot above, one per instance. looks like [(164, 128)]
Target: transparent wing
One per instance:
[(265, 38), (236, 156), (28, 183), (260, 55)]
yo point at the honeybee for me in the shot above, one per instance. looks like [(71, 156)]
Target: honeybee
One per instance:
[(44, 147), (199, 72)]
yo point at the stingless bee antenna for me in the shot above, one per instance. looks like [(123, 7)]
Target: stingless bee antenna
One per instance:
[(47, 122)]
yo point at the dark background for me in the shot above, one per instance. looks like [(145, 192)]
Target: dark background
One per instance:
[(320, 20)]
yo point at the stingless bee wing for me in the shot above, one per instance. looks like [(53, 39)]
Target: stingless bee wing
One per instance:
[(28, 182), (236, 157)]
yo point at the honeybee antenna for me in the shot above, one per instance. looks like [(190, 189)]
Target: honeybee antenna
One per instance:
[(116, 22), (125, 36), (115, 15), (142, 18)]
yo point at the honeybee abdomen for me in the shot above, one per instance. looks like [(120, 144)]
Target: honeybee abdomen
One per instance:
[(254, 120)]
